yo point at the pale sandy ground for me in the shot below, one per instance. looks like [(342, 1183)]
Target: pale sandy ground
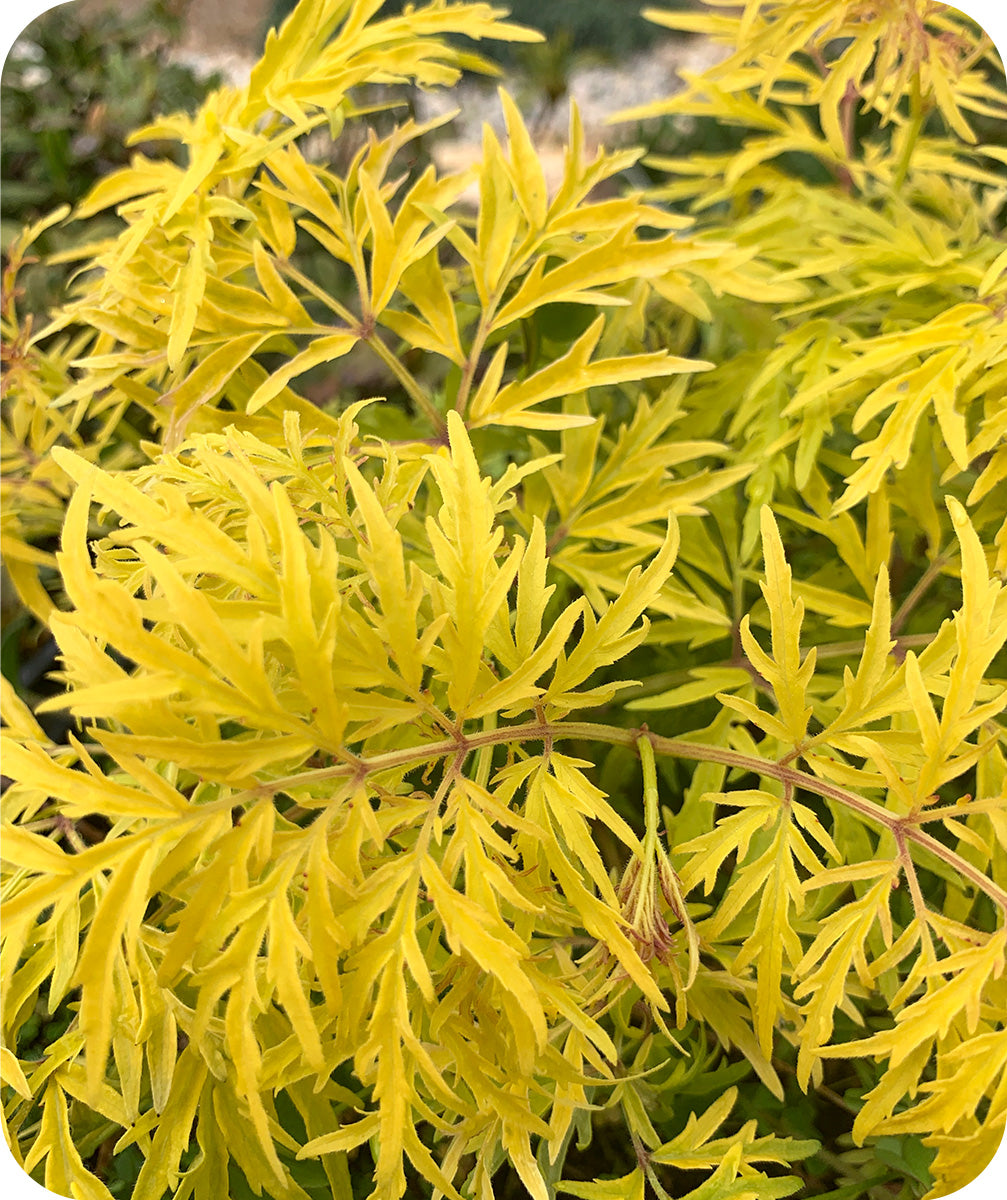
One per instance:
[(220, 26)]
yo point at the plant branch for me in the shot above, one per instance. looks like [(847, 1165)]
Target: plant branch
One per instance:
[(469, 370), (919, 590), (370, 336), (409, 382), (319, 293), (847, 115), (909, 641), (544, 731), (909, 870)]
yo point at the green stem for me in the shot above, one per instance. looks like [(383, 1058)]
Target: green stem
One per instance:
[(408, 381), (373, 339), (316, 290), (956, 811), (841, 649), (916, 595), (651, 811), (917, 115), (469, 370)]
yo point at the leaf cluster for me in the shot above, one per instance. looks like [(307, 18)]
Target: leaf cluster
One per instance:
[(357, 870)]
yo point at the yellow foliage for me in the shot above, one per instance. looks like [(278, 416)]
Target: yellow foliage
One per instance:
[(335, 877)]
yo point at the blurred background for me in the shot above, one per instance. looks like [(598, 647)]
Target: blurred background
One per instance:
[(85, 74)]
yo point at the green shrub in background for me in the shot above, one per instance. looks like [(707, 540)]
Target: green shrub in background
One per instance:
[(72, 91), (360, 873)]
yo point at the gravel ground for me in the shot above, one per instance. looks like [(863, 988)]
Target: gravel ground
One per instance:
[(599, 90)]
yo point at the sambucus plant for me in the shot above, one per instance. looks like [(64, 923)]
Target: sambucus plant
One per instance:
[(336, 870)]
